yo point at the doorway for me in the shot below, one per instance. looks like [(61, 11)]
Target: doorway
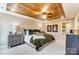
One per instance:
[(66, 27)]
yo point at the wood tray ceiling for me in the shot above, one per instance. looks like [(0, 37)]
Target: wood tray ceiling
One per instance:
[(55, 10)]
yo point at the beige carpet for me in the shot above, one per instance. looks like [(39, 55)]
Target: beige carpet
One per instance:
[(24, 49)]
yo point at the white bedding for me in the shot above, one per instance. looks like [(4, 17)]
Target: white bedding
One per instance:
[(38, 37), (27, 38)]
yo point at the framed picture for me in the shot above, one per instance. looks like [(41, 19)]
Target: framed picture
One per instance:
[(63, 27), (48, 28), (55, 28)]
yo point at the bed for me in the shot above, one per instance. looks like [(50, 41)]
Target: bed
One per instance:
[(39, 41)]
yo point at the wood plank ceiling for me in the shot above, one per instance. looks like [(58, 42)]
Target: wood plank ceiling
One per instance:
[(53, 10)]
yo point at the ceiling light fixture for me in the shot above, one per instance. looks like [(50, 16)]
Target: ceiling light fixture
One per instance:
[(62, 17), (44, 15), (44, 12)]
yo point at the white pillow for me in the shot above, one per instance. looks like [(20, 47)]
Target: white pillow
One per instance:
[(38, 37), (27, 38)]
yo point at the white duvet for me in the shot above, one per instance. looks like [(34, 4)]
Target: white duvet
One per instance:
[(28, 37)]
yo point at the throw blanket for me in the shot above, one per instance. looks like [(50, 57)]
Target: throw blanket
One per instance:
[(39, 42)]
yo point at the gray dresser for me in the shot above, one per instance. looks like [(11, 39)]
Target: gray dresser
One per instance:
[(14, 40)]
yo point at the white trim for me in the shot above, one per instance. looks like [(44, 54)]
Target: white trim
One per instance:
[(19, 15), (64, 19)]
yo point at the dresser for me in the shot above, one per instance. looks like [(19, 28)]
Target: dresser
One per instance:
[(72, 44), (14, 40)]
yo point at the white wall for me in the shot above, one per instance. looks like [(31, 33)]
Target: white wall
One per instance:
[(31, 24), (4, 30), (7, 23)]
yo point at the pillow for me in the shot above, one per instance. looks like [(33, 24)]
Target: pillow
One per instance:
[(38, 37)]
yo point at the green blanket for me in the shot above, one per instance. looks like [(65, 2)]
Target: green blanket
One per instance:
[(40, 42)]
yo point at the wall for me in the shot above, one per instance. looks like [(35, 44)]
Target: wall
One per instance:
[(4, 30), (10, 18), (7, 23), (31, 24)]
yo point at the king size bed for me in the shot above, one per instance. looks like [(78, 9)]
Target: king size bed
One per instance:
[(38, 40)]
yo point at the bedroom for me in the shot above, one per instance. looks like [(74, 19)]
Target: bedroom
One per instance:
[(17, 22)]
